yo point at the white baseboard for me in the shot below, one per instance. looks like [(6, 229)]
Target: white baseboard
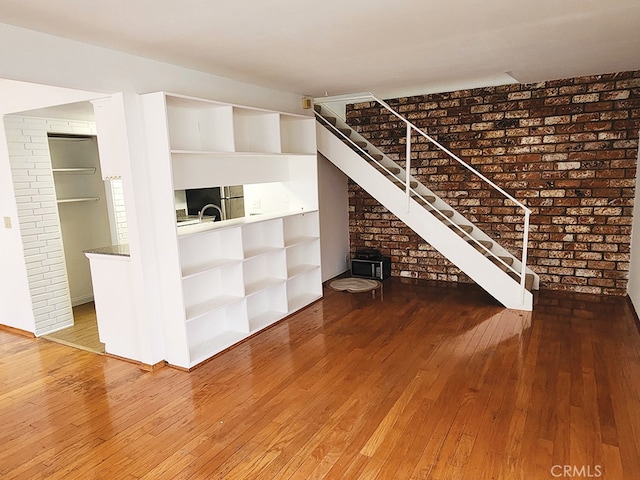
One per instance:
[(81, 300)]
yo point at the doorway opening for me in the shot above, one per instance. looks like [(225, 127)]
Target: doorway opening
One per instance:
[(84, 223), (69, 209), (84, 332)]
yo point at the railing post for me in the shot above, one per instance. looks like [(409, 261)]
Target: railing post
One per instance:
[(525, 241), (408, 167)]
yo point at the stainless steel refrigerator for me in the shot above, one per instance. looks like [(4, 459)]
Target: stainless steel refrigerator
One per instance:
[(232, 201)]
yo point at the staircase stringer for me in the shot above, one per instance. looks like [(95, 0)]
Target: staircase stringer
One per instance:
[(455, 248)]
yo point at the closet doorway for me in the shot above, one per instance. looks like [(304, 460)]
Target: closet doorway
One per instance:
[(83, 202), (84, 332)]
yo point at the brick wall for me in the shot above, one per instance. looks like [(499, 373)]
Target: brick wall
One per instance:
[(119, 210), (565, 148)]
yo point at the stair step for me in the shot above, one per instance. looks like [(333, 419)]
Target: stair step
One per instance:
[(485, 243), (386, 170), (377, 156), (429, 198), (528, 279), (464, 228), (446, 213), (346, 131), (332, 120), (361, 144), (317, 108), (401, 183), (507, 260)]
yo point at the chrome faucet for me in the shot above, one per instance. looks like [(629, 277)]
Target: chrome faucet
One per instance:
[(209, 205)]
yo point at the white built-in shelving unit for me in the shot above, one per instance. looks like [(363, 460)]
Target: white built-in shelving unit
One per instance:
[(224, 281)]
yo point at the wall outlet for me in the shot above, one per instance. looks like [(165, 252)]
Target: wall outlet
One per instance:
[(7, 222)]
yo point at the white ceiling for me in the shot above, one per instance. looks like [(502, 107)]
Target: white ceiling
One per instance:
[(392, 48)]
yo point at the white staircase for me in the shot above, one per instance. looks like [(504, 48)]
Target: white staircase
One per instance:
[(495, 269)]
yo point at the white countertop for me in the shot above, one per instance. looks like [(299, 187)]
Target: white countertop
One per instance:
[(206, 225)]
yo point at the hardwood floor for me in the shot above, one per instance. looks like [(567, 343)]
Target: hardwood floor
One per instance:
[(84, 332), (421, 382)]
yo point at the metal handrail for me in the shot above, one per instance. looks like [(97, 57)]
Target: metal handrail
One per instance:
[(367, 96)]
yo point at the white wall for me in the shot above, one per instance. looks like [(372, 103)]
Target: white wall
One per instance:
[(334, 218), (633, 287), (15, 299)]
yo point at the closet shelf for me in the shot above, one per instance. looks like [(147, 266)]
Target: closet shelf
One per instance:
[(82, 170), (78, 199)]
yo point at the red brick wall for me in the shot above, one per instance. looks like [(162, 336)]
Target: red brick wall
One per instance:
[(565, 148)]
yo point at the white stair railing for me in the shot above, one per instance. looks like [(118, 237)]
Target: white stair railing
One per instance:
[(410, 129)]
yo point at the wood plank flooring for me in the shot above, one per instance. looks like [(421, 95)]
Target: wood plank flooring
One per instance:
[(84, 332), (421, 382)]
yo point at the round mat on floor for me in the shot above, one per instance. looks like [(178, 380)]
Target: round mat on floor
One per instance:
[(354, 285)]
